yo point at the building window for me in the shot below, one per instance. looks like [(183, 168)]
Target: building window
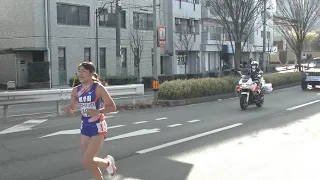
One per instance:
[(268, 35), (108, 18), (62, 58), (73, 15), (87, 54), (124, 57), (142, 21), (103, 59)]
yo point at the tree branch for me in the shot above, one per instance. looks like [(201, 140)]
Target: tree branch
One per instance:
[(294, 19)]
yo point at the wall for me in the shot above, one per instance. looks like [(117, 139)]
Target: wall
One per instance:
[(21, 23)]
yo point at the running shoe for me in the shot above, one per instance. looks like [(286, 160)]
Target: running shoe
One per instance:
[(111, 169)]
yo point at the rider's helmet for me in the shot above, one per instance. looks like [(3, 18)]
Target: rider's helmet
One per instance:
[(254, 65)]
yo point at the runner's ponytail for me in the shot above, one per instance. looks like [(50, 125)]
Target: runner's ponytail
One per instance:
[(96, 77)]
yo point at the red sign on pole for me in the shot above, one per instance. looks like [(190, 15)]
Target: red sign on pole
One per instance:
[(162, 36)]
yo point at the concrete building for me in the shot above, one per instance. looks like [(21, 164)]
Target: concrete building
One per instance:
[(182, 19), (63, 32)]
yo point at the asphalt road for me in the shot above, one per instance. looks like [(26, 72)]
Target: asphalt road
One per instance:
[(214, 140), (34, 109)]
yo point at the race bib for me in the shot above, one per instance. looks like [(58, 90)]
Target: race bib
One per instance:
[(86, 106), (102, 126)]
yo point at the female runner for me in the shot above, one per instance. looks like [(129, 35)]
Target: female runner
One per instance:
[(95, 102)]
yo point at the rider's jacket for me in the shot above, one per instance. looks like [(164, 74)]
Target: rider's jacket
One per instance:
[(254, 74)]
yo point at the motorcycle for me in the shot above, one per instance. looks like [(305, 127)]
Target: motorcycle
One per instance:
[(250, 92)]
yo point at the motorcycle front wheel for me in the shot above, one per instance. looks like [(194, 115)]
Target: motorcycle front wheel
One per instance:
[(243, 102)]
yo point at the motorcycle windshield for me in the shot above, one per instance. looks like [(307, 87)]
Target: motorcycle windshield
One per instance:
[(245, 79)]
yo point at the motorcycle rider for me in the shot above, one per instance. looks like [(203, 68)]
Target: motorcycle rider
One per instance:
[(254, 72)]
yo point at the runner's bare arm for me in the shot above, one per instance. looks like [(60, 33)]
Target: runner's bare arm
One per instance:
[(74, 101), (109, 105)]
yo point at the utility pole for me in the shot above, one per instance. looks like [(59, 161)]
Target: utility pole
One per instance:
[(264, 63), (155, 47), (97, 41), (118, 38)]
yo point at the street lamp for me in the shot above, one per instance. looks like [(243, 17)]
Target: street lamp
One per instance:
[(97, 15)]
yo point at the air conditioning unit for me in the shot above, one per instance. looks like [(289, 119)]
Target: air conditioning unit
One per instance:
[(178, 21)]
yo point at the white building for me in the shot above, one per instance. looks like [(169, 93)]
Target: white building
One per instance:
[(63, 31), (215, 40), (182, 19)]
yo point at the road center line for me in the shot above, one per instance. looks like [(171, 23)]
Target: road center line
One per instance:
[(163, 118), (174, 125), (193, 121), (140, 122), (188, 139), (112, 127), (302, 105)]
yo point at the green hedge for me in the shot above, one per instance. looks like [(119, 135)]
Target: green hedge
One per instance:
[(192, 88), (112, 80), (147, 80), (38, 72)]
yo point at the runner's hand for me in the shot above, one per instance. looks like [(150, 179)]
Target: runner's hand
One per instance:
[(93, 112), (67, 109)]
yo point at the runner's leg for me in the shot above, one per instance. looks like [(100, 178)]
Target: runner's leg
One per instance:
[(84, 141), (90, 161)]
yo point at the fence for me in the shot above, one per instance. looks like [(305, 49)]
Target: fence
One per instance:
[(36, 96)]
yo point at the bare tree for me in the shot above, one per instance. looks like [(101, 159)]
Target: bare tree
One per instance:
[(238, 18), (184, 42), (220, 45), (294, 19), (136, 41)]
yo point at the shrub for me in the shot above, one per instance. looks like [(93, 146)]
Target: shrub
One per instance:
[(192, 88), (38, 72), (278, 79), (147, 80), (121, 80)]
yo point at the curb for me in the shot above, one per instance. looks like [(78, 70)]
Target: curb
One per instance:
[(184, 102)]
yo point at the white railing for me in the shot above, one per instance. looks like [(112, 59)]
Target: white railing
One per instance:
[(35, 96)]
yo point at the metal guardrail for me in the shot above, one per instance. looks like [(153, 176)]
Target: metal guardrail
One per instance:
[(36, 96)]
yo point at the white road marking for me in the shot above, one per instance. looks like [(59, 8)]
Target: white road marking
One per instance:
[(278, 114), (135, 133), (28, 125), (117, 126), (193, 121), (174, 125), (73, 131), (140, 122), (302, 105), (163, 118), (65, 132), (32, 114), (188, 139)]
